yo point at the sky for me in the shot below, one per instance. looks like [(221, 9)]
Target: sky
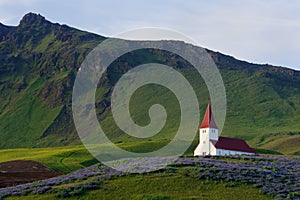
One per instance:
[(258, 31)]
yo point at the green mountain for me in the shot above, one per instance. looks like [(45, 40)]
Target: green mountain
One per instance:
[(38, 65)]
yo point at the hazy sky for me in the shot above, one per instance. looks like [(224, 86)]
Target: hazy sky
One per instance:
[(253, 30)]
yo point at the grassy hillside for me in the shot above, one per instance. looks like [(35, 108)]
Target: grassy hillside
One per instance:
[(256, 110), (27, 113), (151, 186), (39, 62), (188, 178), (240, 177)]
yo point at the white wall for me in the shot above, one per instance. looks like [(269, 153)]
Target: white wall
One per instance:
[(223, 152), (205, 147), (213, 133), (213, 150)]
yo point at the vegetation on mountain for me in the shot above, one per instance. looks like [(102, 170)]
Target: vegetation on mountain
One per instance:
[(38, 65)]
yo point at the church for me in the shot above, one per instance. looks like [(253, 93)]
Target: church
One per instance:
[(210, 143)]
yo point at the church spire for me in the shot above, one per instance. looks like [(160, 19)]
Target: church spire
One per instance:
[(208, 120)]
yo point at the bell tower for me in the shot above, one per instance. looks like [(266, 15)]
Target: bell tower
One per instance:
[(208, 132)]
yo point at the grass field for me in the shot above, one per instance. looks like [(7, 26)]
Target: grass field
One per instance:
[(156, 186), (283, 144), (181, 181), (70, 158), (63, 159)]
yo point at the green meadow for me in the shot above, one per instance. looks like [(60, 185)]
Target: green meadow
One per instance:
[(161, 186), (64, 159), (70, 158)]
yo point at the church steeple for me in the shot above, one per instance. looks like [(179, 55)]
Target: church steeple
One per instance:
[(208, 120), (208, 133)]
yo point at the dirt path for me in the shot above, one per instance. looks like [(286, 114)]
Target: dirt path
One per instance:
[(23, 171)]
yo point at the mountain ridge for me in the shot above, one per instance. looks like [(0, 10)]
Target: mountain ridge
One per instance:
[(40, 60)]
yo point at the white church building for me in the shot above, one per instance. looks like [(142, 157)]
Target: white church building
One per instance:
[(210, 143)]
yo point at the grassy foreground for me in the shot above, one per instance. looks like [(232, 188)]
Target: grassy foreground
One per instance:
[(238, 177), (162, 187)]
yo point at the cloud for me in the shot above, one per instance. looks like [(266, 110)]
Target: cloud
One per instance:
[(12, 11), (17, 2), (256, 31)]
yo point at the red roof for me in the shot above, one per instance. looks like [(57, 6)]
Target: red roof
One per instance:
[(233, 144), (208, 120)]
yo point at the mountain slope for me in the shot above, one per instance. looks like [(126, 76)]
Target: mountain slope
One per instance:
[(39, 62)]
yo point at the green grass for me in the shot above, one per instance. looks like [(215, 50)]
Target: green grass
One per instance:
[(44, 44), (286, 145), (64, 159), (265, 151), (157, 186), (279, 143), (27, 119), (70, 158)]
